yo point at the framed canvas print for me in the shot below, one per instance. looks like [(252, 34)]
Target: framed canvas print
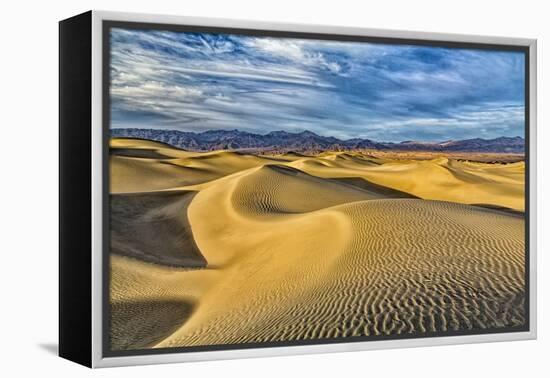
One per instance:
[(234, 189)]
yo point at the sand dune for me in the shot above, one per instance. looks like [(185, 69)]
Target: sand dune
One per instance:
[(437, 179), (140, 166), (153, 227), (294, 248)]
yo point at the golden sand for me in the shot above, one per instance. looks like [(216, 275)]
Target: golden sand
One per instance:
[(224, 247)]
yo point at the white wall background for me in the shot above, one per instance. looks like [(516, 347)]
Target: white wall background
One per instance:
[(28, 211)]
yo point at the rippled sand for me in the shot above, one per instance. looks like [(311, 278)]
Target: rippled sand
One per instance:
[(224, 247)]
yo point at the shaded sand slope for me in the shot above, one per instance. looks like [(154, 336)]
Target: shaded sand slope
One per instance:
[(153, 227), (373, 266), (141, 324), (149, 301)]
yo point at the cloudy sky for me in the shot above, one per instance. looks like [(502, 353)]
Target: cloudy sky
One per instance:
[(198, 82)]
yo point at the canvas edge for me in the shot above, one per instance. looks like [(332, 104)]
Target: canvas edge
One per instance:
[(97, 193), (533, 190), (74, 252)]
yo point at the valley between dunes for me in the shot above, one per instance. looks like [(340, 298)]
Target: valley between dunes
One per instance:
[(225, 247)]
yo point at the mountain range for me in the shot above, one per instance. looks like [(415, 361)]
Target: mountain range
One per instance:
[(307, 141)]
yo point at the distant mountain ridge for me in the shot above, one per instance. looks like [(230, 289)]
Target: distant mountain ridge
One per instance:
[(307, 141)]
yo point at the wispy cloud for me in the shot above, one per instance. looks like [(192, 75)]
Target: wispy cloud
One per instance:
[(197, 81)]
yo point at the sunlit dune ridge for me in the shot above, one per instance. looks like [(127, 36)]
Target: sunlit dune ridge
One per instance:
[(158, 166), (288, 247)]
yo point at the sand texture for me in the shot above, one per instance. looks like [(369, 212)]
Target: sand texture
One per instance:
[(227, 247)]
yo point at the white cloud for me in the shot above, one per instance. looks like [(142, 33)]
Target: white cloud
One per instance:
[(300, 52)]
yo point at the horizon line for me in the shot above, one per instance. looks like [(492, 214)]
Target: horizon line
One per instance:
[(311, 132)]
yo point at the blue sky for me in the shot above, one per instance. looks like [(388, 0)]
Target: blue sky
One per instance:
[(198, 82)]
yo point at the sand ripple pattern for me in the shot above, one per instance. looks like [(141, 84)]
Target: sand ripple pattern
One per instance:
[(226, 248), (404, 266)]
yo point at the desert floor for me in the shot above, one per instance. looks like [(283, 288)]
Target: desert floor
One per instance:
[(227, 247)]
